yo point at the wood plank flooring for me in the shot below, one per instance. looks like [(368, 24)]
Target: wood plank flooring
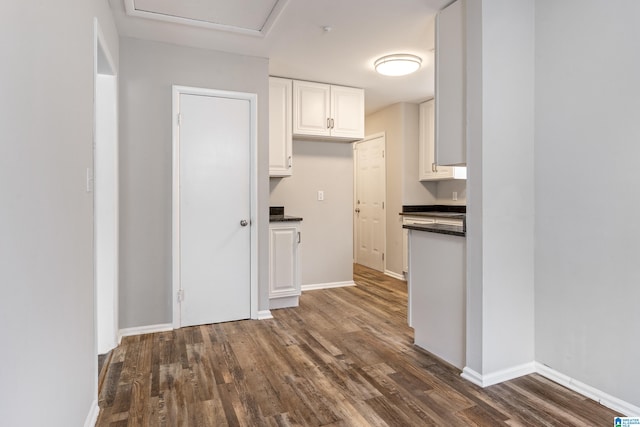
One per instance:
[(344, 357)]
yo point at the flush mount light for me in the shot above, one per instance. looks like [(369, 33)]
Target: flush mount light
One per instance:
[(399, 64)]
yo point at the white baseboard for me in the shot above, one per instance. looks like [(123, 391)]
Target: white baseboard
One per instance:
[(599, 396), (499, 376), (316, 286), (395, 275), (264, 315), (92, 417), (140, 330), (472, 376)]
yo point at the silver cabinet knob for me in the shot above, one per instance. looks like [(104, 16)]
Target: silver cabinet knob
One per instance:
[(244, 223)]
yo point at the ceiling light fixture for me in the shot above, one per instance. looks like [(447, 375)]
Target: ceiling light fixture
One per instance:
[(399, 64)]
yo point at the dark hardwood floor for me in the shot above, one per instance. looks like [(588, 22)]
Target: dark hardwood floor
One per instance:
[(344, 357)]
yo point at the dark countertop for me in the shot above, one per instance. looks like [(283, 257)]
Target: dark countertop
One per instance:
[(453, 230), (437, 211), (440, 211), (410, 209), (284, 218), (451, 215), (276, 214)]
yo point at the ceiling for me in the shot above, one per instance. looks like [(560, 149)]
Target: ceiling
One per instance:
[(332, 41)]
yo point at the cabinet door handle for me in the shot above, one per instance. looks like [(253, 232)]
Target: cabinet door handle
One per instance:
[(434, 167), (299, 237), (289, 162), (332, 123), (328, 123)]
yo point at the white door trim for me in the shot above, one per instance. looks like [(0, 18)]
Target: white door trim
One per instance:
[(104, 65), (384, 197), (253, 101)]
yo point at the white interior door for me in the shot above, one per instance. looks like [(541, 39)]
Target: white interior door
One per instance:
[(369, 200), (214, 140)]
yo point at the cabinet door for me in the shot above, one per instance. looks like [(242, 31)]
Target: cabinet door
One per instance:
[(428, 169), (284, 273), (347, 112), (280, 138), (450, 85), (311, 108)]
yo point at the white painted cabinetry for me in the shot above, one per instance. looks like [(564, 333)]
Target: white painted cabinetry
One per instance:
[(284, 264), (450, 93), (437, 294), (420, 220), (280, 128), (323, 110), (428, 169)]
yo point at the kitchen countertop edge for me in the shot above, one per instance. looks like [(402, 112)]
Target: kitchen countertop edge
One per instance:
[(452, 230), (284, 218)]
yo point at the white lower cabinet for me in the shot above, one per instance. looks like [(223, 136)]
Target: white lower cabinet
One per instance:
[(284, 264), (420, 220), (437, 294)]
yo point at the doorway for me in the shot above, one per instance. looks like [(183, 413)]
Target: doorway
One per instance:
[(214, 206), (370, 195), (105, 196)]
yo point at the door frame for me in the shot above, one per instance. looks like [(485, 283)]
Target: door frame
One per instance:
[(104, 65), (355, 197), (253, 101)]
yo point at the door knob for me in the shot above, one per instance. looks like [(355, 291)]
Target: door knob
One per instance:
[(244, 223)]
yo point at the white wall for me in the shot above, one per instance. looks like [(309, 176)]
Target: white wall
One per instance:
[(48, 361), (400, 123), (327, 226), (500, 227), (392, 121), (413, 191), (148, 71), (587, 233)]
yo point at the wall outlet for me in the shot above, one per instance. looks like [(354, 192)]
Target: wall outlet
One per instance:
[(320, 195), (454, 196)]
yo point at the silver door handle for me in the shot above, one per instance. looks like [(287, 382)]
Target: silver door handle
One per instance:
[(244, 223)]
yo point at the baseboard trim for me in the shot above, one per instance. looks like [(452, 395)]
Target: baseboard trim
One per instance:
[(599, 396), (264, 315), (92, 417), (472, 376), (588, 391), (395, 275), (141, 330), (498, 376), (316, 286)]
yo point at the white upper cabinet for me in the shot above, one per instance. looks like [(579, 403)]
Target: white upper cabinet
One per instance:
[(280, 128), (428, 169), (322, 110), (450, 85), (347, 112)]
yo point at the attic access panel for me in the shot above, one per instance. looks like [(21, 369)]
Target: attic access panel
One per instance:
[(251, 17)]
